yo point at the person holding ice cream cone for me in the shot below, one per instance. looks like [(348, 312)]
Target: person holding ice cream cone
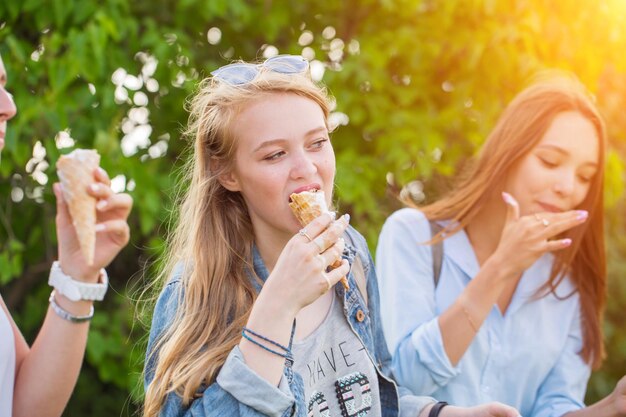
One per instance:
[(250, 301), (38, 380)]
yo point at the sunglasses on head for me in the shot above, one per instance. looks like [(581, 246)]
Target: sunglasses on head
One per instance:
[(240, 73)]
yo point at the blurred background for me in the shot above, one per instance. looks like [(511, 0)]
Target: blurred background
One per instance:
[(418, 85)]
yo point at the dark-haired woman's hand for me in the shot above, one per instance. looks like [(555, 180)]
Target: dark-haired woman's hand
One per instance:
[(525, 239), (619, 397), (613, 405), (491, 410)]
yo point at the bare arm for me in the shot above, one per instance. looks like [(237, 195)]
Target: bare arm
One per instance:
[(462, 320), (524, 239), (46, 373), (295, 282)]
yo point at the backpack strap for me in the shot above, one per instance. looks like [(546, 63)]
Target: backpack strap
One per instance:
[(358, 272), (437, 251)]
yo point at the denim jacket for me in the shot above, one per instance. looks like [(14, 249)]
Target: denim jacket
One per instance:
[(239, 392)]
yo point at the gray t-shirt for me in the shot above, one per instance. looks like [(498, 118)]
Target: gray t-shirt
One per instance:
[(339, 377)]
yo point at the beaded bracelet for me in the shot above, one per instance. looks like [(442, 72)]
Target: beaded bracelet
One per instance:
[(66, 315)]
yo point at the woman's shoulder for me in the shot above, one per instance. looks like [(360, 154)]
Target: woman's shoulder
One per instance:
[(409, 222), (407, 216), (169, 296)]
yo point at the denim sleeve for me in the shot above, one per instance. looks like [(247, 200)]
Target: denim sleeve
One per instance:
[(564, 388), (238, 390), (410, 405), (251, 389), (409, 316)]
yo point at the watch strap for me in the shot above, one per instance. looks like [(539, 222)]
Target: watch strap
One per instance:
[(77, 290), (434, 412)]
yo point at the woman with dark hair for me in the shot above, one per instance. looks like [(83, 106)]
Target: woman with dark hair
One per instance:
[(512, 309)]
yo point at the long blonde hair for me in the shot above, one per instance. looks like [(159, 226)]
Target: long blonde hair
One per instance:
[(212, 241), (520, 127)]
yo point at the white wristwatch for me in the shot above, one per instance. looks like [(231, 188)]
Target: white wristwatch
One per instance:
[(76, 290)]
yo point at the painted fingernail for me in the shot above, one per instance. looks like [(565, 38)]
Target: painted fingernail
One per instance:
[(102, 172), (582, 214), (100, 227), (347, 217), (333, 215), (566, 242), (508, 198), (102, 204), (94, 187)]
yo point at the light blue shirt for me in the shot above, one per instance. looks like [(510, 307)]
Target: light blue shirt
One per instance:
[(527, 358)]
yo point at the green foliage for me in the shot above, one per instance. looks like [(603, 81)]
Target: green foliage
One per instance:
[(420, 81)]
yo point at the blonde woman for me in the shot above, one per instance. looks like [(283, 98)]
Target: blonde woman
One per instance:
[(249, 321)]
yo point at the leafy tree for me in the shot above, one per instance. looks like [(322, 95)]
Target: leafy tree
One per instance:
[(418, 84)]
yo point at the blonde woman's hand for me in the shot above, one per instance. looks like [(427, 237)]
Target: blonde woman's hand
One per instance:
[(525, 239), (300, 275), (112, 231)]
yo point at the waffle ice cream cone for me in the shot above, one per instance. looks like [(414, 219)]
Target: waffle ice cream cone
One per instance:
[(75, 171), (307, 206)]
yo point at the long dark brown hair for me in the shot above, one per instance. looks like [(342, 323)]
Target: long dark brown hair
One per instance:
[(519, 129)]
